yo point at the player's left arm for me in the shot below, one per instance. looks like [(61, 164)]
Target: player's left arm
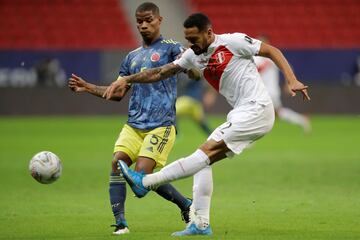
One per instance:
[(278, 58), (146, 76)]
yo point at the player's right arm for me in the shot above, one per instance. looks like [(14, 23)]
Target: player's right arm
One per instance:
[(78, 84), (146, 76), (153, 74)]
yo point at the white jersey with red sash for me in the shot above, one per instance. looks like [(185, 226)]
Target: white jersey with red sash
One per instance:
[(228, 65)]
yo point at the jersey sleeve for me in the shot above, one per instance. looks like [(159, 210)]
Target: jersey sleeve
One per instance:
[(243, 44), (124, 68), (176, 51), (185, 60)]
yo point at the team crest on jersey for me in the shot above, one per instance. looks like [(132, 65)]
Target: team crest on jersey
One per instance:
[(220, 57), (155, 57)]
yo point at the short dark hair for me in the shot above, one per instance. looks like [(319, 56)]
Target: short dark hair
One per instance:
[(148, 6), (199, 20)]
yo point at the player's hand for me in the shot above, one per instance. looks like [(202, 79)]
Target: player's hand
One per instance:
[(286, 90), (76, 83), (120, 85), (194, 74), (299, 87)]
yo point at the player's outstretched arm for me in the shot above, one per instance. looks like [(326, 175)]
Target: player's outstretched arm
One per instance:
[(278, 58), (78, 84), (146, 76)]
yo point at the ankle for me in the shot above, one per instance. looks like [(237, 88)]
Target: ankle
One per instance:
[(201, 223)]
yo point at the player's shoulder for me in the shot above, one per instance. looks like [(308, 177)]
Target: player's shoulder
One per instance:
[(172, 44), (238, 39), (135, 51), (169, 41), (232, 36)]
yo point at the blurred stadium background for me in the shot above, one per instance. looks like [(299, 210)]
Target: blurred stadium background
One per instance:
[(43, 41), (289, 186)]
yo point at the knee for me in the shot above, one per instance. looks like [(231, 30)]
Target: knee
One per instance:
[(145, 164), (208, 147), (120, 156), (205, 147)]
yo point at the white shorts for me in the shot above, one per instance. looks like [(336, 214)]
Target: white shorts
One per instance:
[(245, 124)]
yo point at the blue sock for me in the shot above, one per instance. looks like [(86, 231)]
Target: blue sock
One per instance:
[(168, 192), (117, 191)]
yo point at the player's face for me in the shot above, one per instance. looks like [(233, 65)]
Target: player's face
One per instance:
[(199, 40), (148, 25)]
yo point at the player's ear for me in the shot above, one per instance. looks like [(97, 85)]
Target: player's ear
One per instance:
[(160, 19), (209, 32)]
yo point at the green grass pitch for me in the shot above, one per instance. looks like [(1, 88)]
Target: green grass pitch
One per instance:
[(286, 186)]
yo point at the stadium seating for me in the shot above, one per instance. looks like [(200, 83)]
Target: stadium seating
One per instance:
[(289, 24), (64, 24)]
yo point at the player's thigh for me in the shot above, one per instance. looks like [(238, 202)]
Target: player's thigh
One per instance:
[(129, 142), (157, 144)]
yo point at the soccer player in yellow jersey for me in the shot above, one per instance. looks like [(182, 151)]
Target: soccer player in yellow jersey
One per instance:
[(149, 134)]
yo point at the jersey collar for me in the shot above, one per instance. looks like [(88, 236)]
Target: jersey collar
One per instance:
[(155, 42)]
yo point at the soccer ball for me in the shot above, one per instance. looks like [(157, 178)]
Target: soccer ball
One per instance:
[(45, 167)]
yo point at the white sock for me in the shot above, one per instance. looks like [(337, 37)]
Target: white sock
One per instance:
[(181, 168), (291, 116), (202, 192)]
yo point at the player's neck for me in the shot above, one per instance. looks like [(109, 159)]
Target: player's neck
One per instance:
[(148, 42)]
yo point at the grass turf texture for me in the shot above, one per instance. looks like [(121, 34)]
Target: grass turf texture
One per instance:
[(287, 186)]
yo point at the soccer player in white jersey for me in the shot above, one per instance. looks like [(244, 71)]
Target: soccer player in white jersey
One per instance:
[(227, 63), (270, 75)]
